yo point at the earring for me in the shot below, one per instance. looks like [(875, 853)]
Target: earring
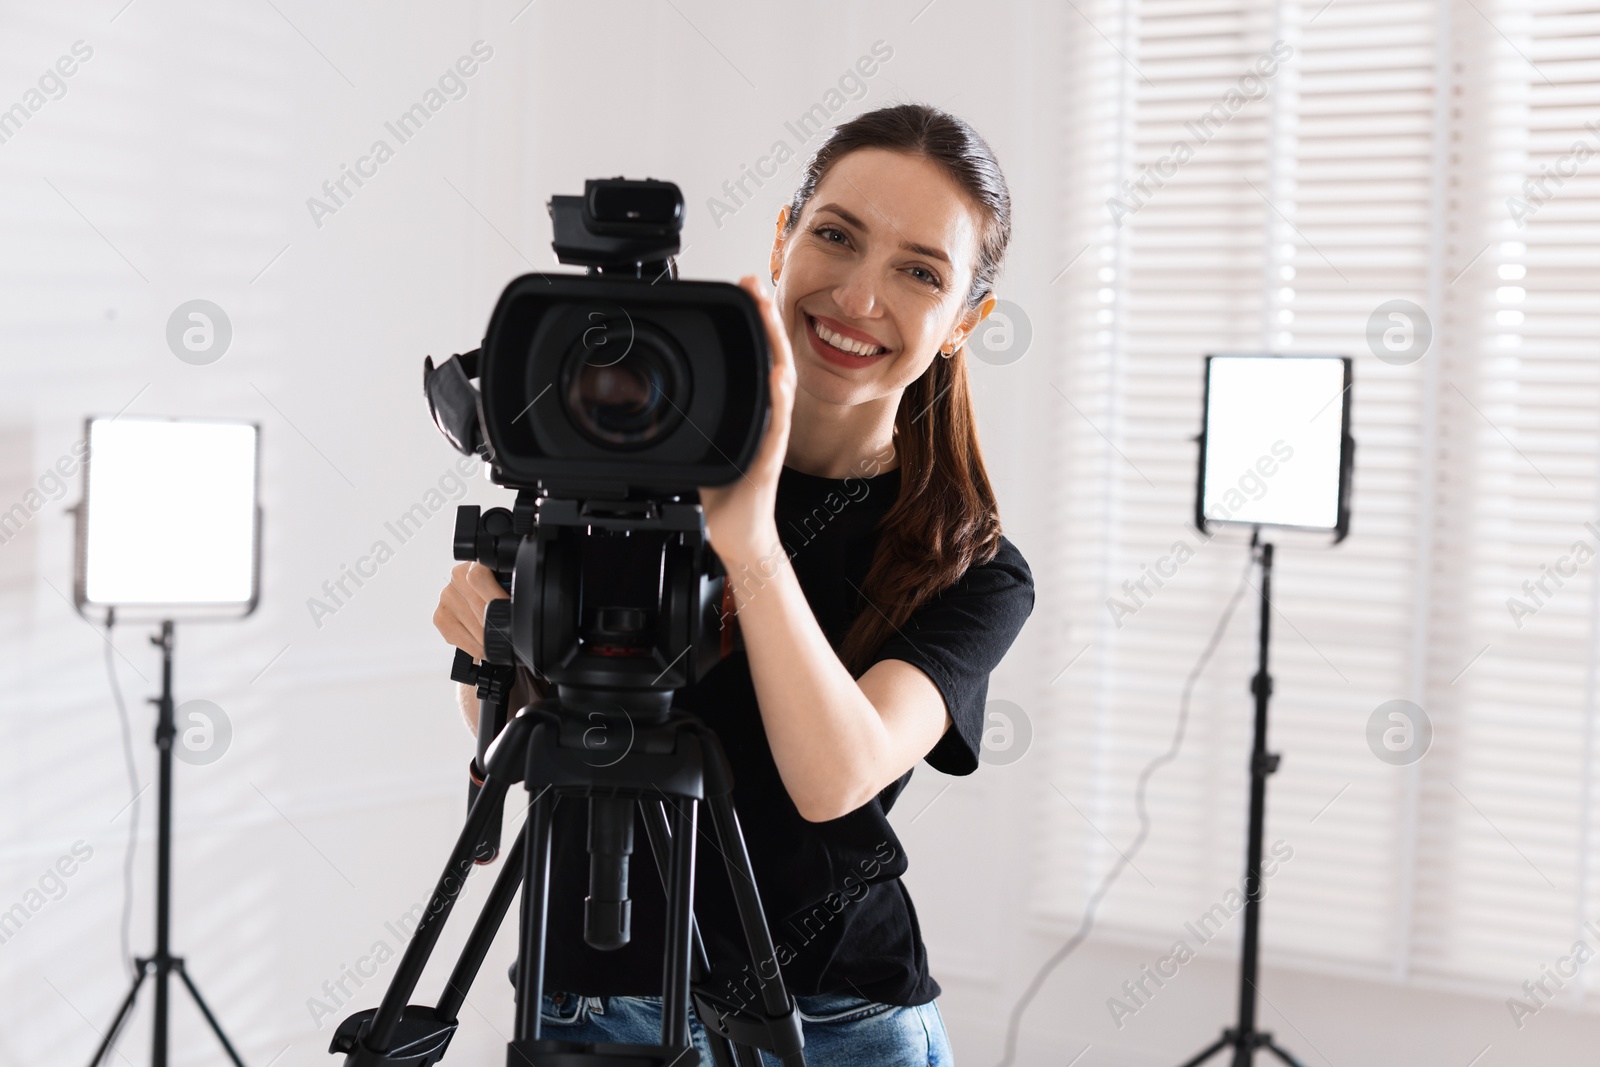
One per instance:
[(947, 352), (774, 277)]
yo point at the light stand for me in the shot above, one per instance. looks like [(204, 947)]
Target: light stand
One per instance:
[(1270, 454), (1244, 1037), (149, 542), (163, 963)]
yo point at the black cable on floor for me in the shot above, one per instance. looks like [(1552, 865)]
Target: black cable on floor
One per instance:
[(1014, 1027)]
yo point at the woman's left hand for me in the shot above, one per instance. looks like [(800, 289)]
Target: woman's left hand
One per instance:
[(740, 520)]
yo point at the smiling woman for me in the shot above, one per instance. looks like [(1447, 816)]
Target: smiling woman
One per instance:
[(900, 225), (867, 642)]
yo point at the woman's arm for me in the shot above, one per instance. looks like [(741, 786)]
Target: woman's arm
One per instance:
[(836, 741), (467, 697)]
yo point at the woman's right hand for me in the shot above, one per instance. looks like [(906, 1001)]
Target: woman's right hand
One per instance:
[(459, 616)]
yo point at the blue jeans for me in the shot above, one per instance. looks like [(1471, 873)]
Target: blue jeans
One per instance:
[(840, 1030)]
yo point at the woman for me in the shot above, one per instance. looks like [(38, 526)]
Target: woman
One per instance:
[(873, 593)]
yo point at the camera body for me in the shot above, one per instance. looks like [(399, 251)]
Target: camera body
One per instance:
[(606, 400), (595, 384), (622, 382)]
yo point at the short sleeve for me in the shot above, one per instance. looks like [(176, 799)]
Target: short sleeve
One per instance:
[(957, 639)]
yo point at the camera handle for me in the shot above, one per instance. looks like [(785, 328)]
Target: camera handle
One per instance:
[(479, 536), (494, 682)]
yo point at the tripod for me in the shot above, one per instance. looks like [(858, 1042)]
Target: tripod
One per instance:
[(620, 600), (673, 763), (163, 963), (1244, 1037)]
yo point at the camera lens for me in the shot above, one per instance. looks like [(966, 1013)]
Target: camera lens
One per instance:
[(624, 384)]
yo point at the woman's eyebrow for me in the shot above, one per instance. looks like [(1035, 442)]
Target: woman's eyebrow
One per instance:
[(909, 246)]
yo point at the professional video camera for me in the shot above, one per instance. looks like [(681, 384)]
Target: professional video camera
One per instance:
[(605, 400)]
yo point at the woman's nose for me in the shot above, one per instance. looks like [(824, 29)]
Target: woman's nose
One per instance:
[(856, 294)]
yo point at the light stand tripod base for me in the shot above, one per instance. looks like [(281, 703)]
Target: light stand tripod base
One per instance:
[(1243, 1049), (149, 965)]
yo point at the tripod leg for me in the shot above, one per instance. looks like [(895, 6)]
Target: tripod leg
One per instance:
[(680, 904), (501, 772), (655, 826), (774, 997), (535, 914), (483, 931), (1272, 1047), (723, 1052), (754, 920), (1211, 1050), (200, 1002), (780, 1017), (122, 1017)]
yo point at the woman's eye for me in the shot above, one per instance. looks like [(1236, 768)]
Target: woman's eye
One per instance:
[(834, 235)]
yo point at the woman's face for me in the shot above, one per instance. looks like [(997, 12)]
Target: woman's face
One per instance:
[(873, 279)]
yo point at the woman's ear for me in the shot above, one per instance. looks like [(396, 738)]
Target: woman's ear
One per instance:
[(969, 322), (775, 261)]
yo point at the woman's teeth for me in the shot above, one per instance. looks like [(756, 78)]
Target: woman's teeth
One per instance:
[(845, 344)]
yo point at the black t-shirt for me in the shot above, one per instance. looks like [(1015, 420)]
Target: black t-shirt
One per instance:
[(840, 917)]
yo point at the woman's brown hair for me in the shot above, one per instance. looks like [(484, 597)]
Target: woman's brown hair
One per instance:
[(945, 519)]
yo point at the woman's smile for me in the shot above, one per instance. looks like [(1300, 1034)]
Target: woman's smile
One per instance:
[(842, 345)]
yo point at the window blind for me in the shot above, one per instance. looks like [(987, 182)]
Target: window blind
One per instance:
[(1255, 176)]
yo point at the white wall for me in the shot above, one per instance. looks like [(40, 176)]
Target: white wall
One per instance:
[(177, 166)]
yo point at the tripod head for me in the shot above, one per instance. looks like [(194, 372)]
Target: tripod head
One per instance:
[(615, 603)]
